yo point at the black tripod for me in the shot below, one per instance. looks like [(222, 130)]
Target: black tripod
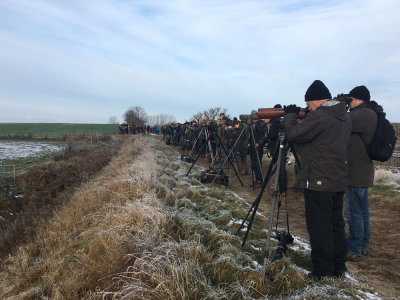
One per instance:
[(276, 166), (207, 142), (232, 151)]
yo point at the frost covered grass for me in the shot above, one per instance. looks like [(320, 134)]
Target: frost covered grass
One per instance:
[(386, 189), (143, 230)]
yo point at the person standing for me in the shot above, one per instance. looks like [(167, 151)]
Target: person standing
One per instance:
[(272, 136), (260, 131), (361, 172), (323, 137), (239, 137)]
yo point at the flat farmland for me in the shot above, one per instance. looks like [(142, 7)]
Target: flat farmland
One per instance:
[(21, 130)]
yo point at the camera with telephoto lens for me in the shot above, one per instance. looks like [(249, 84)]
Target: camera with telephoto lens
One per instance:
[(284, 238)]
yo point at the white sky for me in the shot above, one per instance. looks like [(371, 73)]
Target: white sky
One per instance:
[(82, 61)]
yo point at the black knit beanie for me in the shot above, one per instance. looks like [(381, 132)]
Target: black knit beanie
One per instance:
[(361, 93), (317, 91)]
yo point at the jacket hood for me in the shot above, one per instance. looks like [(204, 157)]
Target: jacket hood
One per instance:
[(335, 108)]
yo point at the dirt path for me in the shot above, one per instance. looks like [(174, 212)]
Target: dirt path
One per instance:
[(380, 270)]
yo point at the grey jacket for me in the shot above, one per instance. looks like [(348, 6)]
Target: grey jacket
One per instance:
[(360, 166), (324, 137)]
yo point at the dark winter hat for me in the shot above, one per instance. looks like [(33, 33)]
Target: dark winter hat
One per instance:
[(317, 91), (361, 93), (277, 106)]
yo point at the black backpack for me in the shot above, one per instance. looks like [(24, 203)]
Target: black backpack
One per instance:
[(384, 140)]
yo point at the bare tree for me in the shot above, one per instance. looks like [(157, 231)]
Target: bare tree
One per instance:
[(210, 114), (160, 119), (136, 115), (113, 120), (198, 116)]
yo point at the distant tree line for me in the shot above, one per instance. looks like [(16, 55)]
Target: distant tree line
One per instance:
[(137, 115), (160, 119)]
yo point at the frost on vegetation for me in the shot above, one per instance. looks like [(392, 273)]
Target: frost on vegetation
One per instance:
[(387, 176), (209, 214), (299, 245)]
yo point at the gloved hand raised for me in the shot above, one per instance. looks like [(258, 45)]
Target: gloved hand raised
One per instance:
[(292, 108)]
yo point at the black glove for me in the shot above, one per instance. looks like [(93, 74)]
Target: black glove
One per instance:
[(292, 108)]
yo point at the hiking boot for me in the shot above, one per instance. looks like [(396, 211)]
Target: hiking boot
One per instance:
[(313, 277), (340, 273), (353, 257), (364, 252)]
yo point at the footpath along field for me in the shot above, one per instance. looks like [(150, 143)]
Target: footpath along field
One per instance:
[(41, 130), (141, 229)]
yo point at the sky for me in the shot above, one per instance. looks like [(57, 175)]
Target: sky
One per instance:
[(83, 61)]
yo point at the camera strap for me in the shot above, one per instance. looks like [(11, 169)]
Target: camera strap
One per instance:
[(287, 213)]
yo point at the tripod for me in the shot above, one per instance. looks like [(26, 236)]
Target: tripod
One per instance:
[(276, 166), (208, 143), (232, 151)]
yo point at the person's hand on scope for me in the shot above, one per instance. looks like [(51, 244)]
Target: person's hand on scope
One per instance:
[(292, 108)]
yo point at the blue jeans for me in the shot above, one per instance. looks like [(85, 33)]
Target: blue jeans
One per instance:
[(357, 214)]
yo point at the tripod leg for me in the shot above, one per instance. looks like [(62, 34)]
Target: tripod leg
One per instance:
[(271, 169), (230, 162), (255, 149), (196, 158), (270, 172), (274, 196)]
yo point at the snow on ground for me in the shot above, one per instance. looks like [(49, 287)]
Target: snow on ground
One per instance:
[(22, 149)]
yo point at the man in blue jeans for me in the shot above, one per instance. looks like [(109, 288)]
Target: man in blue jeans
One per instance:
[(360, 172)]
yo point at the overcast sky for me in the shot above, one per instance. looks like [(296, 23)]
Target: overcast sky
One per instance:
[(86, 60)]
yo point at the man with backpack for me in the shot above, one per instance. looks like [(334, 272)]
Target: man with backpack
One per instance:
[(360, 172)]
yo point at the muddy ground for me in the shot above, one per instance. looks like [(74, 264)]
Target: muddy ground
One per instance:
[(380, 270)]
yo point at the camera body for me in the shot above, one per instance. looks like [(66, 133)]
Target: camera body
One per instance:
[(284, 238)]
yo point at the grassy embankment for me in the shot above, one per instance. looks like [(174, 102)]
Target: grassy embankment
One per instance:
[(142, 230), (53, 130), (41, 189)]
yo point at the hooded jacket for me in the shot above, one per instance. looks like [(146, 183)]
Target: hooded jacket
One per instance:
[(360, 166), (324, 137)]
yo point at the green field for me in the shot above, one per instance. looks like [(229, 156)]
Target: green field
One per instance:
[(28, 130)]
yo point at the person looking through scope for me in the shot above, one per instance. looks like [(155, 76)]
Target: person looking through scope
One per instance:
[(260, 131), (323, 136)]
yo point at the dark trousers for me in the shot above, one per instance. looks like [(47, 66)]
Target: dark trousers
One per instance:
[(243, 166), (254, 163), (325, 226)]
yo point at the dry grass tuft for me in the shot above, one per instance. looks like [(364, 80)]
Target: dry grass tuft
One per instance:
[(285, 278)]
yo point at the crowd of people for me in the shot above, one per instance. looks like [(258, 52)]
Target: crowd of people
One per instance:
[(335, 167)]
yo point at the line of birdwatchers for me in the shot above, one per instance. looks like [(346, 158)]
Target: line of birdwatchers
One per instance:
[(334, 165), (126, 128)]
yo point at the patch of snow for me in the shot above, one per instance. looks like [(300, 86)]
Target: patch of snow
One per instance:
[(369, 296), (23, 149), (256, 248), (256, 264), (299, 245)]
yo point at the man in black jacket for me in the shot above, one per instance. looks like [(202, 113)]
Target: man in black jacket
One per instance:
[(323, 136), (260, 136), (272, 136), (361, 172)]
